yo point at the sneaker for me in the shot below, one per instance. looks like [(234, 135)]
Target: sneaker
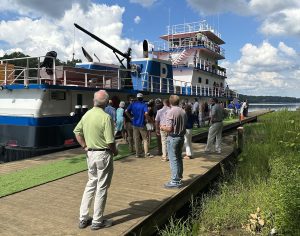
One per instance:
[(187, 157), (139, 155), (85, 223), (207, 151), (218, 151), (103, 224), (149, 155), (165, 159), (172, 184)]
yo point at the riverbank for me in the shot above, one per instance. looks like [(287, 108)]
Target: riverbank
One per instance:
[(274, 106), (261, 194)]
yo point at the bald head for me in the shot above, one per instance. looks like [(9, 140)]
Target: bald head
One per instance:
[(100, 98), (174, 100)]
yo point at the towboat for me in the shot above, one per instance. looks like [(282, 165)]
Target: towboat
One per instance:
[(41, 102)]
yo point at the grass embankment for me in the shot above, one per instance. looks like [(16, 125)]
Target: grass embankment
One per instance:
[(267, 177), (37, 175)]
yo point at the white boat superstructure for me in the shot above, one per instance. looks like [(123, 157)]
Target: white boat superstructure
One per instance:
[(194, 50)]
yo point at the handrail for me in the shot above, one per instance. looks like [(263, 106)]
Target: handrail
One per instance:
[(23, 71), (207, 44), (116, 79), (191, 27)]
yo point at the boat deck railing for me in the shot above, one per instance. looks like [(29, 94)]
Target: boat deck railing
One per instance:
[(162, 46), (164, 85), (108, 79), (191, 27)]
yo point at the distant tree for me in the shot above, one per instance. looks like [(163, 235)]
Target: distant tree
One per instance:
[(72, 62), (19, 63), (268, 99), (33, 63)]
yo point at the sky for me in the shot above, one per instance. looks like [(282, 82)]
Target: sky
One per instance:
[(262, 36)]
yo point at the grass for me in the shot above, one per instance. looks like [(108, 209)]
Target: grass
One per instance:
[(37, 175), (33, 176), (267, 176)]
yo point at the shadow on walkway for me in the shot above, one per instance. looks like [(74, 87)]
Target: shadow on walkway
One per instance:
[(128, 213)]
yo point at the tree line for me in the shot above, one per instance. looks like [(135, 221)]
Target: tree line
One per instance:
[(269, 99), (33, 62)]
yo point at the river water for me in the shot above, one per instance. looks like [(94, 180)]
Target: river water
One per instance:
[(273, 106)]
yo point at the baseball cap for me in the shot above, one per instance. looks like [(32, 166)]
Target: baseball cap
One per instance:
[(139, 95), (158, 101)]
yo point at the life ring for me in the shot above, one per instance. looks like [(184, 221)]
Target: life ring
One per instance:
[(163, 71)]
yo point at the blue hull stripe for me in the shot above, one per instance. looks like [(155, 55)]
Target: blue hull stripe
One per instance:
[(44, 121)]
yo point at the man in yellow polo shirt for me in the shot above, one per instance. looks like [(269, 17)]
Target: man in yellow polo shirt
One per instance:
[(95, 133)]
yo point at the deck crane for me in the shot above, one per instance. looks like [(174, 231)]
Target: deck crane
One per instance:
[(126, 55)]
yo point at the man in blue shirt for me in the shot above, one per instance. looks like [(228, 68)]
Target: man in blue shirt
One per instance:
[(138, 112), (110, 110)]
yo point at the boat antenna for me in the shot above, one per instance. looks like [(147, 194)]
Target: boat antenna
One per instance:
[(87, 55), (96, 57), (218, 24), (73, 54), (169, 28)]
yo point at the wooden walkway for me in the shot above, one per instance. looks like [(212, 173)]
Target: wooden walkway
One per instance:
[(135, 194), (137, 201)]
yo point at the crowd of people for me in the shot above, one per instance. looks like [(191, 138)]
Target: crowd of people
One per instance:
[(171, 120), (239, 109)]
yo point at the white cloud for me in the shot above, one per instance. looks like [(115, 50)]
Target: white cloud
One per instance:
[(207, 7), (266, 7), (144, 3), (36, 8), (284, 22), (37, 36), (137, 19), (277, 17), (265, 70), (287, 50)]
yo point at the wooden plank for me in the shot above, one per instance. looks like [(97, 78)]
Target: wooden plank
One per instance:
[(137, 201)]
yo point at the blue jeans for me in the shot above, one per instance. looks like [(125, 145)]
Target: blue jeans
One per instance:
[(175, 156)]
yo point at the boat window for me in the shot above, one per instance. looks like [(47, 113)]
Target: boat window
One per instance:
[(206, 81), (58, 95), (199, 80), (79, 99)]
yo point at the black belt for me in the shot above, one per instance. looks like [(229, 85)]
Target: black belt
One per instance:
[(175, 135), (98, 149), (216, 121)]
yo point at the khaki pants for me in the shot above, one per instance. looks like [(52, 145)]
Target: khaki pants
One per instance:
[(100, 171), (164, 147), (128, 127), (214, 133), (137, 131), (188, 142)]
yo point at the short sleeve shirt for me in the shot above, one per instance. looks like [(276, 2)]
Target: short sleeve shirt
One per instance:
[(97, 128), (111, 111), (195, 107), (177, 119), (161, 115), (138, 110), (217, 113)]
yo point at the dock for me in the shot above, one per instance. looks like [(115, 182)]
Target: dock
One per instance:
[(137, 201)]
